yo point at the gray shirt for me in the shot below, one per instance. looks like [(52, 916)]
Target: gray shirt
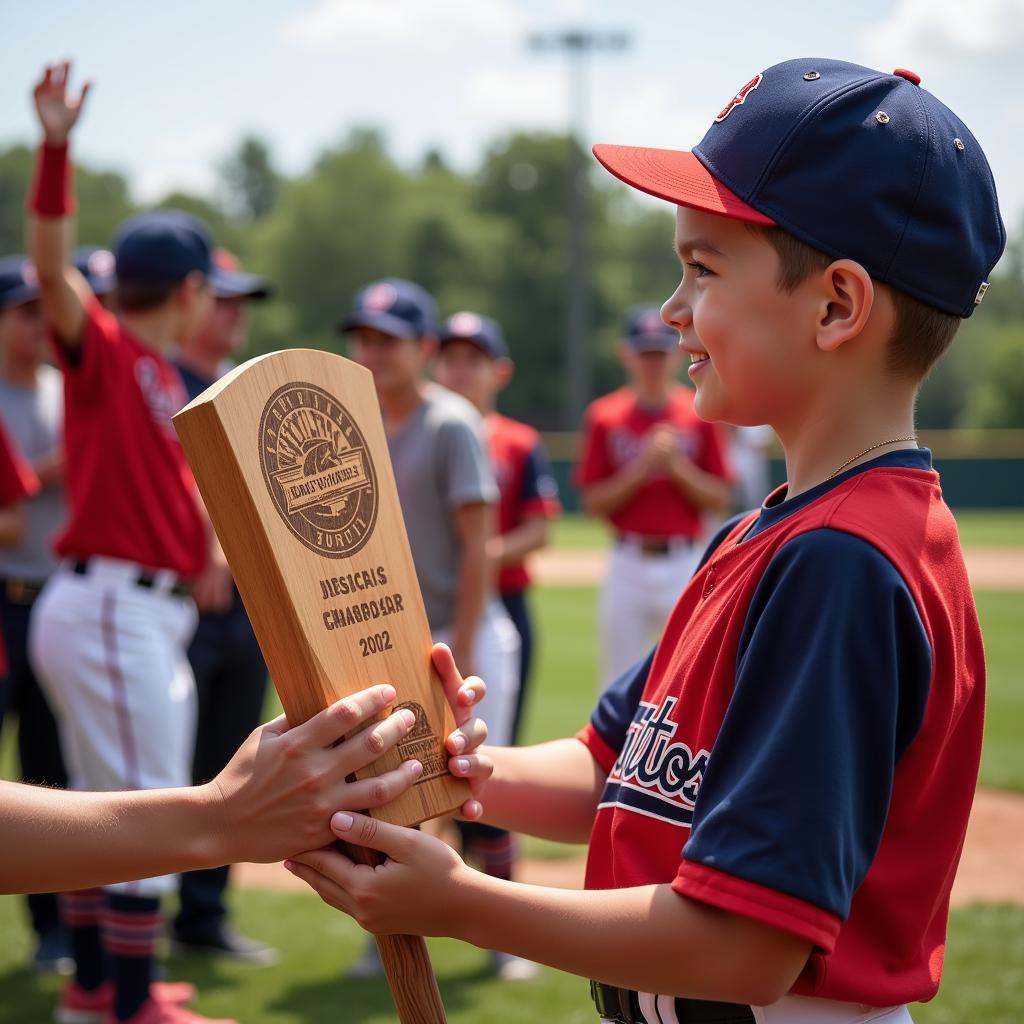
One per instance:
[(440, 463), (34, 418)]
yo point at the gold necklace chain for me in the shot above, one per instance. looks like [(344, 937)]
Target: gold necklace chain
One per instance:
[(881, 444)]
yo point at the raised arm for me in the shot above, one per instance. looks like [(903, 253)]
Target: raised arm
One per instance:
[(63, 290)]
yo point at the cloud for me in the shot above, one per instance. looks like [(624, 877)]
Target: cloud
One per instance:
[(335, 25), (535, 98), (919, 30)]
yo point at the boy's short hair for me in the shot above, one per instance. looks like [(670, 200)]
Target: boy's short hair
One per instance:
[(140, 296), (920, 334)]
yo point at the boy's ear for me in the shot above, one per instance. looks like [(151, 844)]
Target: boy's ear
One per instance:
[(504, 371), (847, 299)]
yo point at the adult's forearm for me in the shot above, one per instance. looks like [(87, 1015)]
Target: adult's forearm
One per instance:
[(474, 584), (81, 840), (549, 790)]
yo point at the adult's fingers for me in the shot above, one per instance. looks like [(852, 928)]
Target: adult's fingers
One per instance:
[(276, 726), (330, 725), (367, 746), (378, 790)]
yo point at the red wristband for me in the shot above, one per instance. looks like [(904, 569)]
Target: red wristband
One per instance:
[(52, 193)]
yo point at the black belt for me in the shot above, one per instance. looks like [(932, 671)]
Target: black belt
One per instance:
[(145, 579), (23, 592), (622, 1006)]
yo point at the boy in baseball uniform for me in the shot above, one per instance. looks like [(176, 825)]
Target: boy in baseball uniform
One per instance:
[(652, 469), (109, 632), (777, 797)]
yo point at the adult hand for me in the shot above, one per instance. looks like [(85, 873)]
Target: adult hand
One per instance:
[(463, 694), (416, 891), (276, 796), (213, 589), (58, 112)]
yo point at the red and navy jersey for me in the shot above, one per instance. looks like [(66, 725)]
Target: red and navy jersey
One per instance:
[(131, 494), (802, 747), (613, 431), (526, 485), (18, 481)]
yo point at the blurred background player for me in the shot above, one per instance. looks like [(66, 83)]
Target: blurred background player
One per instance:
[(109, 631), (749, 452), (230, 673), (652, 469), (447, 491), (96, 265), (473, 362), (31, 406)]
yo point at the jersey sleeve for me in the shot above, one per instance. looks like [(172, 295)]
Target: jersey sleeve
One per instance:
[(85, 367), (605, 734), (17, 479), (539, 493), (595, 463), (832, 678), (468, 477)]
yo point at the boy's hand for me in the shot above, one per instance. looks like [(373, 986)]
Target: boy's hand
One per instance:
[(276, 796), (57, 111), (465, 762), (414, 892)]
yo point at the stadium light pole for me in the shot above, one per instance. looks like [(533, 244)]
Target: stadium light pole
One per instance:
[(578, 45)]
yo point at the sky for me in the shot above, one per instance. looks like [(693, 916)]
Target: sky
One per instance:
[(176, 86)]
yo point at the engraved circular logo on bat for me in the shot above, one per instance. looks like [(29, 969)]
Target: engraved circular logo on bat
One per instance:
[(423, 744), (318, 469)]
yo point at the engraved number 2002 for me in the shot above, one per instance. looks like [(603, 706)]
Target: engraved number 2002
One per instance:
[(375, 644)]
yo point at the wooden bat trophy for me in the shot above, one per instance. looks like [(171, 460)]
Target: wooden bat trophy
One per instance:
[(290, 457)]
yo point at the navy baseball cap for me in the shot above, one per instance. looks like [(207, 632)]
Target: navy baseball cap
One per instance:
[(162, 245), (856, 163), (18, 281), (647, 332), (395, 307), (230, 282), (97, 267), (481, 331)]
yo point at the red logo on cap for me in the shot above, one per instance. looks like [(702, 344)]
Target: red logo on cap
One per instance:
[(380, 297), (739, 99), (465, 324)]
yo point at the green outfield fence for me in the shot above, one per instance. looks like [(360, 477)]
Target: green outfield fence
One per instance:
[(980, 468)]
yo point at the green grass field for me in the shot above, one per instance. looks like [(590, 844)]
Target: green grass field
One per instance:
[(984, 979)]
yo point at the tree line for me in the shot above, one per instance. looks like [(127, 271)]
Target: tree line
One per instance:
[(494, 240)]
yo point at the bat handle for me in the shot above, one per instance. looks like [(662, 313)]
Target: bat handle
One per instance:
[(406, 963)]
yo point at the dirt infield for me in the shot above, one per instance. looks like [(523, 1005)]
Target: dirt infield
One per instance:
[(988, 568), (990, 871)]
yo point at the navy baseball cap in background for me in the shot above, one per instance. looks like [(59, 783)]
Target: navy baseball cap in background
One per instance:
[(162, 245), (395, 307), (857, 163), (18, 281), (231, 282), (647, 332), (481, 331), (96, 265)]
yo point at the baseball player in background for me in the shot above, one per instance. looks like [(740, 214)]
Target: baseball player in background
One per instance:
[(31, 404), (473, 361), (653, 470), (226, 660), (109, 632), (447, 491)]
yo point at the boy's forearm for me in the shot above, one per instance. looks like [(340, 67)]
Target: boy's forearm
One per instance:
[(521, 540), (704, 489), (605, 497), (648, 938), (98, 838), (549, 790)]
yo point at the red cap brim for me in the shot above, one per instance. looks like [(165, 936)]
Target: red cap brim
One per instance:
[(677, 177)]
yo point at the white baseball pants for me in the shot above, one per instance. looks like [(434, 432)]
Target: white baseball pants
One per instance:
[(111, 658)]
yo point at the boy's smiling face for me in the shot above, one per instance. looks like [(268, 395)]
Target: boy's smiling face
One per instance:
[(751, 342)]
